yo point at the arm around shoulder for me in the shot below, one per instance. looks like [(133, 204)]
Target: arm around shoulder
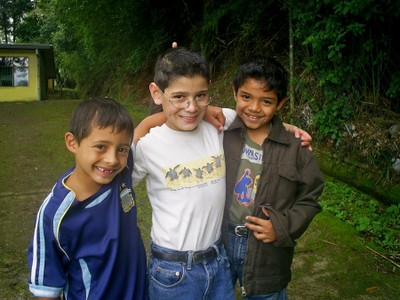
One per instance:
[(149, 122), (300, 133), (215, 117)]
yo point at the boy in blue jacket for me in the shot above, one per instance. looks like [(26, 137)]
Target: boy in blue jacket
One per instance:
[(86, 242)]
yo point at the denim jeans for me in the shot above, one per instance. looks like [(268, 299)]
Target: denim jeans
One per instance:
[(236, 253), (209, 279)]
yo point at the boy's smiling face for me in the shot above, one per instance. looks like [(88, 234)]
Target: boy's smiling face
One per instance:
[(183, 119), (256, 105), (99, 157)]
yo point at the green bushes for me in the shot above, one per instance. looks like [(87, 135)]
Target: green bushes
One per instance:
[(330, 119), (348, 50)]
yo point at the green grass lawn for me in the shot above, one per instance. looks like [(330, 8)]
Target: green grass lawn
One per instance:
[(331, 260)]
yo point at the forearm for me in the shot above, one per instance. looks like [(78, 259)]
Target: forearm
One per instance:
[(215, 117), (149, 122), (299, 133)]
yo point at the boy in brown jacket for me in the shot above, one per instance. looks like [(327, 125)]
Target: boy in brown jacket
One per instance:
[(272, 184)]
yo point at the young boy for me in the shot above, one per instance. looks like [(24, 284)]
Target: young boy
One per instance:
[(185, 168), (272, 184), (86, 243)]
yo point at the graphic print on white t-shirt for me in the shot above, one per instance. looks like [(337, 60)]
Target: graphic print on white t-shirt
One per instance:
[(196, 173)]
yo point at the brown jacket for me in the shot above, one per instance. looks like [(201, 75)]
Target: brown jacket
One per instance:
[(290, 184)]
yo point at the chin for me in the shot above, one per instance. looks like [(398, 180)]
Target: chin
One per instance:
[(188, 127), (251, 125), (104, 180)]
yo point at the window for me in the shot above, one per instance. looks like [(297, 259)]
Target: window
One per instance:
[(14, 71)]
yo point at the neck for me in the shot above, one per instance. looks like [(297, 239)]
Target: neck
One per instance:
[(81, 190), (258, 136)]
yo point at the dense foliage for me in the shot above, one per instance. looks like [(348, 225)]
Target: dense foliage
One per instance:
[(12, 14), (354, 56), (346, 74)]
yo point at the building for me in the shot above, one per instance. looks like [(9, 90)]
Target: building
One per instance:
[(25, 71)]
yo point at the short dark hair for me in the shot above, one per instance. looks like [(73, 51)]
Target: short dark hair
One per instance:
[(102, 112), (265, 69), (179, 62)]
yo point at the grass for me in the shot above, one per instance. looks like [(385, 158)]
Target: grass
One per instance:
[(331, 260), (376, 221)]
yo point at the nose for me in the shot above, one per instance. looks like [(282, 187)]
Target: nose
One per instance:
[(255, 105), (192, 105), (111, 158)]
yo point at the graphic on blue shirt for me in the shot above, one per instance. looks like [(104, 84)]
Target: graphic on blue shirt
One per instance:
[(243, 189)]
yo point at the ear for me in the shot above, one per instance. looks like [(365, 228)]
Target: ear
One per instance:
[(280, 105), (70, 142), (155, 93), (234, 93)]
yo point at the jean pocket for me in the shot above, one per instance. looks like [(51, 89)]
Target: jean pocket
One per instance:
[(223, 257), (166, 274)]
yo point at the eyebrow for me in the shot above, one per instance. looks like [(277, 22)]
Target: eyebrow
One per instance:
[(187, 92), (250, 94), (128, 145), (108, 142)]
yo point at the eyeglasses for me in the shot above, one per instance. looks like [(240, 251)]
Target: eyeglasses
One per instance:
[(202, 100)]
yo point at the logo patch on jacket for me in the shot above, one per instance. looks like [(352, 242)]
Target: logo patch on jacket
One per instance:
[(127, 200)]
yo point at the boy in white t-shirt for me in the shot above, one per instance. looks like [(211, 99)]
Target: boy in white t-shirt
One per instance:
[(184, 163)]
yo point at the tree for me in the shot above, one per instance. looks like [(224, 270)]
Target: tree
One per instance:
[(5, 8), (12, 14)]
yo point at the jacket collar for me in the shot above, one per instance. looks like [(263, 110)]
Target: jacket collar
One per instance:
[(277, 133)]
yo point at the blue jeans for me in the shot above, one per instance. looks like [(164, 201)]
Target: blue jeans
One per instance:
[(209, 279), (236, 253)]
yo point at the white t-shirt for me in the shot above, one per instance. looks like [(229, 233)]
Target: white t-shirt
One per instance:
[(185, 183)]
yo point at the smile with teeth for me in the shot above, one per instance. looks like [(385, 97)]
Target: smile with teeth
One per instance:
[(253, 117), (188, 118), (107, 171)]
